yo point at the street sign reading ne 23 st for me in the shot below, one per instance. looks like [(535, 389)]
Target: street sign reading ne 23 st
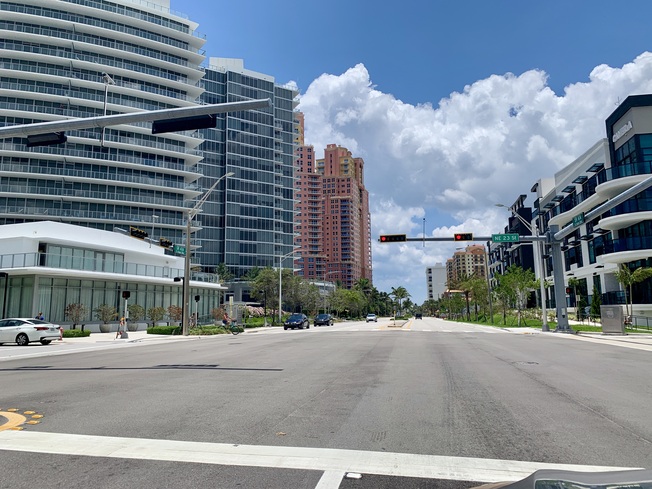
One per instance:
[(505, 238)]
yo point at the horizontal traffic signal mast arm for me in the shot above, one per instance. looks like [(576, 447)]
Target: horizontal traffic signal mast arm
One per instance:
[(24, 130), (475, 238)]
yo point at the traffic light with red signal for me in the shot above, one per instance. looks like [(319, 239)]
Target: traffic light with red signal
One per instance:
[(392, 238), (463, 237)]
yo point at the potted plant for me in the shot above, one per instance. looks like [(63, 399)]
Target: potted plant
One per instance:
[(76, 313), (155, 314), (175, 313), (105, 313), (136, 313)]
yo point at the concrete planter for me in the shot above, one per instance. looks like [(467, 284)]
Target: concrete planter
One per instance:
[(135, 326), (105, 328)]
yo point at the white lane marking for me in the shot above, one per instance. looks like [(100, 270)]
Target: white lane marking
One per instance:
[(331, 479), (300, 458), (612, 342)]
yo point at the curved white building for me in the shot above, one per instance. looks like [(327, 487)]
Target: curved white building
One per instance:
[(621, 236)]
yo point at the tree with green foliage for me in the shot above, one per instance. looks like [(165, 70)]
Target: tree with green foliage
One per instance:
[(76, 313), (627, 279), (223, 272), (251, 274), (348, 302), (155, 314), (265, 286), (429, 307), (364, 286), (521, 282), (596, 302), (464, 284), (136, 312), (505, 294), (175, 313), (399, 293), (105, 313)]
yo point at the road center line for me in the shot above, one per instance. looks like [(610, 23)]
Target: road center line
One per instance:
[(300, 458)]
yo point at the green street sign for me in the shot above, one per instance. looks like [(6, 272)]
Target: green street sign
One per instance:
[(179, 250), (578, 219), (505, 238)]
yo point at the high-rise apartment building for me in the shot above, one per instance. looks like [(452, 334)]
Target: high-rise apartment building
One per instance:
[(249, 222), (467, 263), (333, 222), (309, 212), (64, 59), (85, 58)]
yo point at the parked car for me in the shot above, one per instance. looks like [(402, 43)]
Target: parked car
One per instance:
[(372, 317), (297, 321), (323, 320), (24, 331)]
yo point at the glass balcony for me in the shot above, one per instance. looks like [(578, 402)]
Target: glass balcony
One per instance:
[(67, 262), (639, 168), (631, 244)]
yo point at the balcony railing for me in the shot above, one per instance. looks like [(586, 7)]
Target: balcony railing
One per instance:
[(615, 172), (67, 262), (83, 215)]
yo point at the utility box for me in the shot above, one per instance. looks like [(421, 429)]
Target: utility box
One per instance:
[(612, 320)]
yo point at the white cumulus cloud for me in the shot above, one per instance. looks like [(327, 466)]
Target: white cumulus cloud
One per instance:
[(486, 145)]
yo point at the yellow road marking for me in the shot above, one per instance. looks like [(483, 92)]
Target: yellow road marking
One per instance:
[(13, 420)]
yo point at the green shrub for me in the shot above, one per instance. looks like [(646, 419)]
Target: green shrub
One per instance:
[(75, 333), (169, 330)]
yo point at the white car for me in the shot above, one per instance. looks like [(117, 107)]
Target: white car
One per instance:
[(24, 331), (372, 317)]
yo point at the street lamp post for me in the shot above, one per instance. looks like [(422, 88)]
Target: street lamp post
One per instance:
[(186, 271), (542, 290), (280, 285), (5, 275), (154, 218), (107, 81), (486, 268)]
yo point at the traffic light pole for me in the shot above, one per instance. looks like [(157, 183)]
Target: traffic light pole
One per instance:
[(558, 278)]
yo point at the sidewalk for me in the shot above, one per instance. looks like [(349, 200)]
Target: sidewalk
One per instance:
[(133, 336)]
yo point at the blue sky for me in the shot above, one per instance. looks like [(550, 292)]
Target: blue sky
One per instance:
[(453, 105)]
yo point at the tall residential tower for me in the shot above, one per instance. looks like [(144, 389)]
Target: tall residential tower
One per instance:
[(333, 222)]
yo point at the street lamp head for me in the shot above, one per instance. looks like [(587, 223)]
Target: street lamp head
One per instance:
[(107, 79)]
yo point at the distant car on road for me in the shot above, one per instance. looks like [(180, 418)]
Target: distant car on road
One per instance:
[(323, 320), (297, 321), (418, 315), (372, 317), (24, 331)]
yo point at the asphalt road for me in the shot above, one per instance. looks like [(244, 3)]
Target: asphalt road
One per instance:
[(429, 404)]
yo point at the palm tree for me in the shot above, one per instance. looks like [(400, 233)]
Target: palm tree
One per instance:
[(399, 294), (627, 279), (464, 284)]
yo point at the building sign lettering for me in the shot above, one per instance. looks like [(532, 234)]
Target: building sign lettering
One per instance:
[(622, 131)]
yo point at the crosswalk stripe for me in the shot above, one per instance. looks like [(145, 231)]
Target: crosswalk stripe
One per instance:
[(301, 458)]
